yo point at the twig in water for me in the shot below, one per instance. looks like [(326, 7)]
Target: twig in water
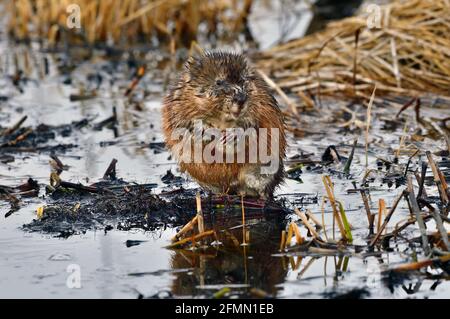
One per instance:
[(15, 127), (311, 216), (17, 139), (83, 96), (56, 164), (140, 73), (185, 229), (348, 232), (440, 227), (442, 133), (298, 237), (111, 170), (109, 121), (381, 211), (437, 180), (444, 183), (409, 162), (322, 208), (421, 264), (307, 224), (416, 210), (329, 189), (290, 233), (417, 111), (55, 181), (402, 141), (370, 216), (404, 107), (302, 272), (350, 158), (386, 220), (192, 239), (422, 180)]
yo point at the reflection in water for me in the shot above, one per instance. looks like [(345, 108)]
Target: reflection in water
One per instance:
[(260, 265), (232, 264), (107, 264)]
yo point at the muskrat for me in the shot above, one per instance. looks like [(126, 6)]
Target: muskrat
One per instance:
[(225, 94)]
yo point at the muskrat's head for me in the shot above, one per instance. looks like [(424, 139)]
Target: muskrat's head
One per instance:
[(224, 87)]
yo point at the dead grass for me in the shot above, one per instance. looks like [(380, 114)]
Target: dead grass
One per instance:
[(409, 55), (172, 22)]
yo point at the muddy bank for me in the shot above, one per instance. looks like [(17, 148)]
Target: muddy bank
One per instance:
[(114, 204)]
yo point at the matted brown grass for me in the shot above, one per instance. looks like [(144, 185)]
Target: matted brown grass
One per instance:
[(175, 22), (408, 55)]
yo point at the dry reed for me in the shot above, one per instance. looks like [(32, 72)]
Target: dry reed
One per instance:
[(119, 22), (408, 55)]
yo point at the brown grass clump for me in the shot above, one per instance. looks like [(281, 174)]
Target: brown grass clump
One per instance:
[(118, 22), (409, 54)]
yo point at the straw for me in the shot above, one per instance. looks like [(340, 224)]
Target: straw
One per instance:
[(409, 55)]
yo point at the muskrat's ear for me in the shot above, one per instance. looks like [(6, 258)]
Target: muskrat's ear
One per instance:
[(189, 62), (186, 76)]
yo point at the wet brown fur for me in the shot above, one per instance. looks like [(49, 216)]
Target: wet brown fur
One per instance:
[(191, 99)]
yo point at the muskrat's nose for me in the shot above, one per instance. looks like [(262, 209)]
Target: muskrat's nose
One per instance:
[(240, 98)]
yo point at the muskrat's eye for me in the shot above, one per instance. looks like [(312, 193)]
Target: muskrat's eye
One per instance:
[(220, 82)]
